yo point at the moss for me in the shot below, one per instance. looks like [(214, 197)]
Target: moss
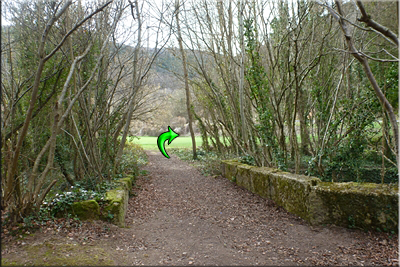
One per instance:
[(86, 210), (243, 176), (117, 205), (55, 254), (5, 262), (261, 182), (291, 192), (360, 205), (369, 206), (132, 178), (118, 201), (116, 208), (366, 188), (287, 190), (229, 169), (125, 183)]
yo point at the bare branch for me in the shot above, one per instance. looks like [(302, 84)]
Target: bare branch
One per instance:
[(373, 24), (378, 59), (75, 28), (367, 56)]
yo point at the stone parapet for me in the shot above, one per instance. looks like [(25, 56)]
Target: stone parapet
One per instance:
[(115, 209), (355, 205)]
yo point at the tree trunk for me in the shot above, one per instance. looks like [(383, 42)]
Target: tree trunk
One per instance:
[(135, 85), (364, 62), (241, 76), (186, 77)]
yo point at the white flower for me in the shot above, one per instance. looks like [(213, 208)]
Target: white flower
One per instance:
[(72, 186)]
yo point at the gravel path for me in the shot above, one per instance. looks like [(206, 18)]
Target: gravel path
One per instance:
[(180, 217)]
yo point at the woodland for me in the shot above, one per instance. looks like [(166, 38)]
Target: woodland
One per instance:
[(309, 87)]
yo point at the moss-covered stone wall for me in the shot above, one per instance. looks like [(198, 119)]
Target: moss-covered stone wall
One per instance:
[(355, 205), (116, 207)]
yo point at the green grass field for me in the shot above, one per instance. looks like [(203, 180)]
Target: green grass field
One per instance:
[(150, 142)]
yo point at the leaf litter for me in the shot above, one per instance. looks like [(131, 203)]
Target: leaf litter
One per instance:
[(179, 217)]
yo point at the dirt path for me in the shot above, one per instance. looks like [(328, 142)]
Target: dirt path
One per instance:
[(180, 217)]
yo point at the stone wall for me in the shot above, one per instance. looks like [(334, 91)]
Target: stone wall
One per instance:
[(355, 205), (115, 210)]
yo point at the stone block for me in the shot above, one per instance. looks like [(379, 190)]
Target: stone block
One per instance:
[(117, 205), (86, 210), (355, 205)]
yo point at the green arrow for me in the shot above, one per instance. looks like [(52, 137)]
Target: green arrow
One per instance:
[(170, 135)]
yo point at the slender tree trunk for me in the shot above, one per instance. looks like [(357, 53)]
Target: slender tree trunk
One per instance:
[(304, 133), (364, 62), (12, 177), (135, 85), (241, 75), (186, 77)]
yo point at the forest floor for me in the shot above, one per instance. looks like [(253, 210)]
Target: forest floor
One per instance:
[(180, 217)]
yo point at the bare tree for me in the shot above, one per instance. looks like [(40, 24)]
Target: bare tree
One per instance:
[(140, 71), (23, 205), (363, 59), (186, 78)]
